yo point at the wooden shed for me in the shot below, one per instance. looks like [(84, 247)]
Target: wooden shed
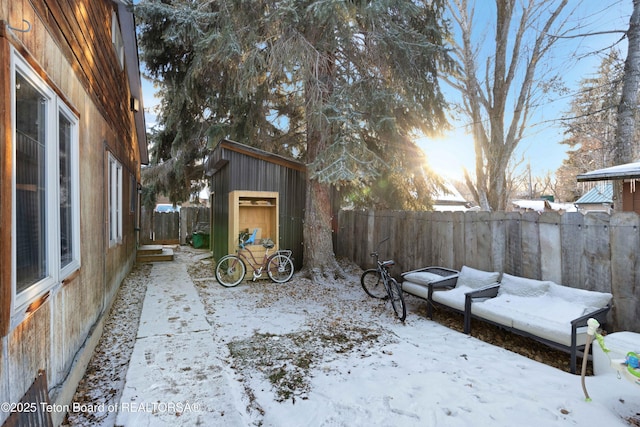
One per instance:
[(629, 176), (252, 188), (73, 139)]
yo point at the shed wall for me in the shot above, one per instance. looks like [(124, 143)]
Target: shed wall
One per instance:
[(244, 172)]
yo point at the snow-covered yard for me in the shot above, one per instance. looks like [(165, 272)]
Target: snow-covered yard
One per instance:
[(319, 354)]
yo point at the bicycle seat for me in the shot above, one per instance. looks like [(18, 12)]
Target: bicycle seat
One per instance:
[(268, 243), (388, 263)]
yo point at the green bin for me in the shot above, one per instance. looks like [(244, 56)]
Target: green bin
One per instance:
[(200, 240)]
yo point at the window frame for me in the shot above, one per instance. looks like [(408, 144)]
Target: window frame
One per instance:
[(55, 107), (74, 264), (115, 205), (116, 39)]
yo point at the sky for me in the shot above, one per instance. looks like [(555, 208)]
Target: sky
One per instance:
[(541, 148)]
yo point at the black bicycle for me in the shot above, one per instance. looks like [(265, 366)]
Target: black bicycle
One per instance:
[(378, 283)]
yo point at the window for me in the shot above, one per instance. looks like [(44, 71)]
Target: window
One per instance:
[(45, 186), (133, 194), (116, 39), (115, 201)]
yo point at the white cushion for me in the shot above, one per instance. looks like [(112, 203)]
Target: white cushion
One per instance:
[(558, 332), (492, 312), (415, 289), (523, 287), (476, 279), (452, 298), (590, 300), (422, 277)]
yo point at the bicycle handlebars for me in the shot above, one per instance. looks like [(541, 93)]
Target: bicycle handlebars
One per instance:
[(375, 254)]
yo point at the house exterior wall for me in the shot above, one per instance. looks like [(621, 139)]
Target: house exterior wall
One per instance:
[(240, 167), (68, 45)]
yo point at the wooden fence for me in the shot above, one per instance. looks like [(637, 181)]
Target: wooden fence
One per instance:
[(173, 227), (596, 251)]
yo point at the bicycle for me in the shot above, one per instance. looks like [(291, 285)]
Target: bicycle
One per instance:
[(231, 269), (378, 283)]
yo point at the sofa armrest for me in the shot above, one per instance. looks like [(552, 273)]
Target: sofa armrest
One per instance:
[(600, 315), (486, 292), (444, 283), (490, 291), (442, 271), (441, 285)]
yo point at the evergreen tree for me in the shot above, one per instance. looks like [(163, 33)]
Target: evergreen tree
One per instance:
[(341, 85)]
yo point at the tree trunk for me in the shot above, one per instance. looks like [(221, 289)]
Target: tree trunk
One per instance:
[(625, 130), (319, 258), (522, 36)]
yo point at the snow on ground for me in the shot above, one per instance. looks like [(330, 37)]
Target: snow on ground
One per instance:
[(324, 354)]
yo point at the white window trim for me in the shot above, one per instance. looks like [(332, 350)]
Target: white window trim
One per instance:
[(75, 192), (20, 301), (115, 194)]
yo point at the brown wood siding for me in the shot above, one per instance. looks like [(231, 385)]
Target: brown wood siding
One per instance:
[(82, 29), (630, 199), (69, 46)]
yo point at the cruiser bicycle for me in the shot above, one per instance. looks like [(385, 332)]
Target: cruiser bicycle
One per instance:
[(232, 268)]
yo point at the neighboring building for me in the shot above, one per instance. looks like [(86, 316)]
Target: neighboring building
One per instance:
[(232, 167), (598, 199), (629, 174), (73, 134), (541, 205), (450, 201)]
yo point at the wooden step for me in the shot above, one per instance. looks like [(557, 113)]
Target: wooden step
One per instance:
[(165, 254), (149, 250)]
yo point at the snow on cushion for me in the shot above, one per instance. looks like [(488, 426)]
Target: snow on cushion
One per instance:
[(589, 300), (415, 289), (422, 277), (521, 286), (500, 314), (452, 298), (476, 279), (559, 332)]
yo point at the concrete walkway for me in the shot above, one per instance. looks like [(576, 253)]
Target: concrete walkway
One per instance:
[(175, 375)]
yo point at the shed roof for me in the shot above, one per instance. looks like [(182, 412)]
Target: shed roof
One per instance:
[(213, 163), (599, 194), (625, 171)]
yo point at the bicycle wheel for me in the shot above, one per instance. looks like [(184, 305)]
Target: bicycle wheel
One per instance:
[(372, 284), (280, 268), (397, 300), (230, 270)]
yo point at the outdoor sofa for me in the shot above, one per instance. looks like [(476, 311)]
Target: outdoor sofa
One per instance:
[(552, 314)]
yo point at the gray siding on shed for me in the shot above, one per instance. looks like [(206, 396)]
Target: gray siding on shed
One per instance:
[(234, 166)]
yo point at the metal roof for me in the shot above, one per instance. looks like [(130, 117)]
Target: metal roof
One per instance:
[(602, 193)]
